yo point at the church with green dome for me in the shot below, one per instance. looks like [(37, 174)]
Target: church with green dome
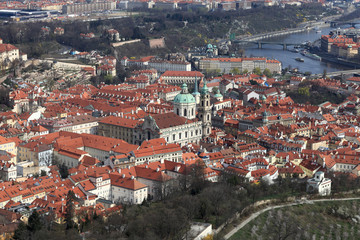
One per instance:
[(187, 105)]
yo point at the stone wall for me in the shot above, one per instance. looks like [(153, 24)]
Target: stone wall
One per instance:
[(157, 43)]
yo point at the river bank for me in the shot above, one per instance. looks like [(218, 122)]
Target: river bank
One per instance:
[(288, 57), (306, 32), (325, 57)]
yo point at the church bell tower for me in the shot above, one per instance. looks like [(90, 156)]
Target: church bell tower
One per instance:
[(204, 110)]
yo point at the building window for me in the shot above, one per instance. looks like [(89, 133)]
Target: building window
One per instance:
[(179, 135)]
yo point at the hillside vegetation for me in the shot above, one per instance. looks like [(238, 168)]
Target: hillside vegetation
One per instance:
[(308, 92), (325, 220), (181, 29)]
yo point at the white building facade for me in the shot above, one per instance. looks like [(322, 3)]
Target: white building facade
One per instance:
[(319, 184)]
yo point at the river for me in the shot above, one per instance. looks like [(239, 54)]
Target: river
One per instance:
[(287, 58)]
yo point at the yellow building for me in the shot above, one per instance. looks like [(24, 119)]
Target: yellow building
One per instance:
[(8, 146), (117, 127), (8, 53)]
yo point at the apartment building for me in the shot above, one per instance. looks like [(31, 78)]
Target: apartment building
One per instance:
[(118, 127), (226, 65)]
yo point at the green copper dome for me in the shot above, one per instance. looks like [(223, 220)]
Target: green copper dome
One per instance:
[(184, 96), (218, 94), (205, 89)]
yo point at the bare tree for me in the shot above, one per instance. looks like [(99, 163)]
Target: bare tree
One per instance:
[(282, 226)]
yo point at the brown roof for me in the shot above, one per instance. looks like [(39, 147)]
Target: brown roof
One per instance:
[(183, 74), (119, 121), (82, 119), (167, 120), (7, 48), (39, 128), (151, 174), (119, 181)]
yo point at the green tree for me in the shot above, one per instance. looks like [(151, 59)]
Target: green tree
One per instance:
[(138, 34), (108, 79), (212, 72), (197, 178), (34, 222), (63, 170), (21, 233), (324, 73), (304, 91), (214, 90), (257, 71), (235, 71), (252, 82), (70, 210), (267, 73)]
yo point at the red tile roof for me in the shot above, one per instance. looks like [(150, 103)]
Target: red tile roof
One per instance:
[(119, 121), (182, 74), (168, 120), (7, 47), (119, 181)]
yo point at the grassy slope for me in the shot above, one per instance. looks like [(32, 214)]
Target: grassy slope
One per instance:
[(326, 220)]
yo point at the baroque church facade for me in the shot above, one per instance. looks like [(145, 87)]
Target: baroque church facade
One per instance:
[(190, 121)]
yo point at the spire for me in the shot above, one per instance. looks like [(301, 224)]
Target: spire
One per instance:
[(218, 94), (196, 90), (205, 89), (184, 89)]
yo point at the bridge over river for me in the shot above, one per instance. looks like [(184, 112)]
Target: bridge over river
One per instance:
[(261, 43), (338, 73), (257, 39), (338, 23)]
